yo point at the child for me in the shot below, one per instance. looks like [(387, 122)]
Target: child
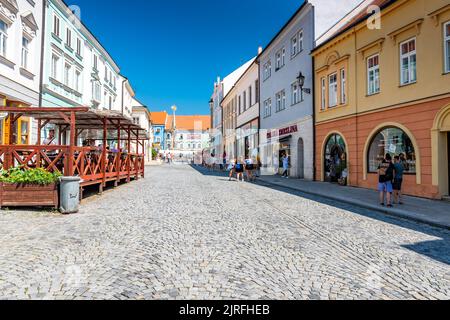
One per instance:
[(239, 169)]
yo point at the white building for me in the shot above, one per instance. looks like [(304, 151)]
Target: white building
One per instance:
[(141, 117), (20, 63)]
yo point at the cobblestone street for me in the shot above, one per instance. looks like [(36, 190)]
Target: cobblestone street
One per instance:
[(185, 234)]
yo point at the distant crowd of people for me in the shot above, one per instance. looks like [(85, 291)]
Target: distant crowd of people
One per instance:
[(240, 168)]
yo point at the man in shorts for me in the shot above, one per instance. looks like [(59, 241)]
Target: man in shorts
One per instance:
[(385, 177)]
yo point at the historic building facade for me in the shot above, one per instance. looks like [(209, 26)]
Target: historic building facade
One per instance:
[(286, 103), (386, 90), (20, 63)]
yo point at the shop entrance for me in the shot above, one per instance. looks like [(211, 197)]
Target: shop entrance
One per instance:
[(336, 160), (285, 148)]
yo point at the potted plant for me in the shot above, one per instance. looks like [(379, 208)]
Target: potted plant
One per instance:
[(28, 188)]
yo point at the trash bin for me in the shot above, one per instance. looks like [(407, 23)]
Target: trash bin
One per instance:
[(69, 195)]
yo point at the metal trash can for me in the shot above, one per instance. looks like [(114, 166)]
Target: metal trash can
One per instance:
[(69, 195)]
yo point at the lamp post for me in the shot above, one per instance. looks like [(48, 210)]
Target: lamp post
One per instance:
[(301, 82)]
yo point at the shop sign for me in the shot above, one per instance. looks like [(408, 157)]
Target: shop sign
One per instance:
[(282, 132)]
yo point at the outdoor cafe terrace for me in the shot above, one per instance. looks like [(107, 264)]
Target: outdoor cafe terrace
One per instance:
[(94, 165)]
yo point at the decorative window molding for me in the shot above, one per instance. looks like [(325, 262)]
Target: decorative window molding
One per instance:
[(413, 25), (29, 25), (8, 11), (377, 43), (435, 15)]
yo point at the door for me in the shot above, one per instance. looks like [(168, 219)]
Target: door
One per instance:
[(301, 159)]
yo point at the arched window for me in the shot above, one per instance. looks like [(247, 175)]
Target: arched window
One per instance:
[(335, 159), (396, 142)]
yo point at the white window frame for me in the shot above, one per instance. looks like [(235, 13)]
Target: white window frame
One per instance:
[(300, 41), (373, 87), (267, 108), (56, 61), (323, 82), (67, 72), (77, 80), (79, 47), (280, 58), (332, 88), (250, 96), (408, 56), (267, 70), (4, 39), (56, 26), (25, 57), (447, 47), (343, 74), (69, 37), (295, 93), (294, 46)]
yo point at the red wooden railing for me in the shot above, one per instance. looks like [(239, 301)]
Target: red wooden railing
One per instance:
[(90, 164)]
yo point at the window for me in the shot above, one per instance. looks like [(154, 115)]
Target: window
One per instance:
[(240, 105), (3, 38), (96, 91), (56, 25), (408, 62), (447, 46), (55, 67), (280, 59), (250, 96), (25, 53), (267, 70), (294, 46), (77, 81), (244, 102), (300, 41), (69, 38), (95, 63), (297, 43), (373, 74), (267, 108), (158, 131), (324, 92), (343, 87), (280, 101), (394, 141), (332, 90), (110, 103), (67, 68), (296, 94), (257, 91), (79, 47)]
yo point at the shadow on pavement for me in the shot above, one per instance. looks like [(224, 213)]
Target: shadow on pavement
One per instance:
[(438, 250)]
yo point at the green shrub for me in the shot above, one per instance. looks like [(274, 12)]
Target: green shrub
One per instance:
[(32, 176)]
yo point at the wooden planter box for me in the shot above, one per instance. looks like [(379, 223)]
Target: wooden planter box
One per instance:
[(18, 195)]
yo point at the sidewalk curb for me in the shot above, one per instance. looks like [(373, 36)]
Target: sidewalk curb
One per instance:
[(390, 212)]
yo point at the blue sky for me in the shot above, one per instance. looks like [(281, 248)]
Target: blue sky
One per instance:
[(172, 51)]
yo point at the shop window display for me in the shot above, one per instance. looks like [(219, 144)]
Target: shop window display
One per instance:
[(336, 160)]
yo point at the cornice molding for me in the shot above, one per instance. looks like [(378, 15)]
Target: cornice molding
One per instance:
[(416, 24)]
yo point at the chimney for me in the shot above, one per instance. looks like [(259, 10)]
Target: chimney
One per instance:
[(260, 50)]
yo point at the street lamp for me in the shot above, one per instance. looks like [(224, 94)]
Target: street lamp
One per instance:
[(301, 82)]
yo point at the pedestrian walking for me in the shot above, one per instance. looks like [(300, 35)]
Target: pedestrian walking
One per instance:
[(285, 162), (239, 169), (224, 161), (385, 177), (399, 170), (231, 169), (249, 167)]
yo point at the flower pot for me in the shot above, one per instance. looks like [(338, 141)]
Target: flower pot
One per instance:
[(24, 195)]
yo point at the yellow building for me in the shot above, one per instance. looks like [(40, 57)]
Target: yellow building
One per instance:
[(20, 129), (382, 84)]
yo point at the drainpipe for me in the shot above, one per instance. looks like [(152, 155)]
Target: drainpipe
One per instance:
[(314, 119), (41, 77)]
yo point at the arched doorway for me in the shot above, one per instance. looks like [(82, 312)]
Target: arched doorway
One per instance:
[(335, 160), (301, 159), (440, 145)]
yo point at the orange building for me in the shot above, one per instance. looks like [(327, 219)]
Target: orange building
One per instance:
[(382, 84)]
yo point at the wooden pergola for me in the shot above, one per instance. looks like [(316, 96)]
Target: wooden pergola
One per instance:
[(94, 165)]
